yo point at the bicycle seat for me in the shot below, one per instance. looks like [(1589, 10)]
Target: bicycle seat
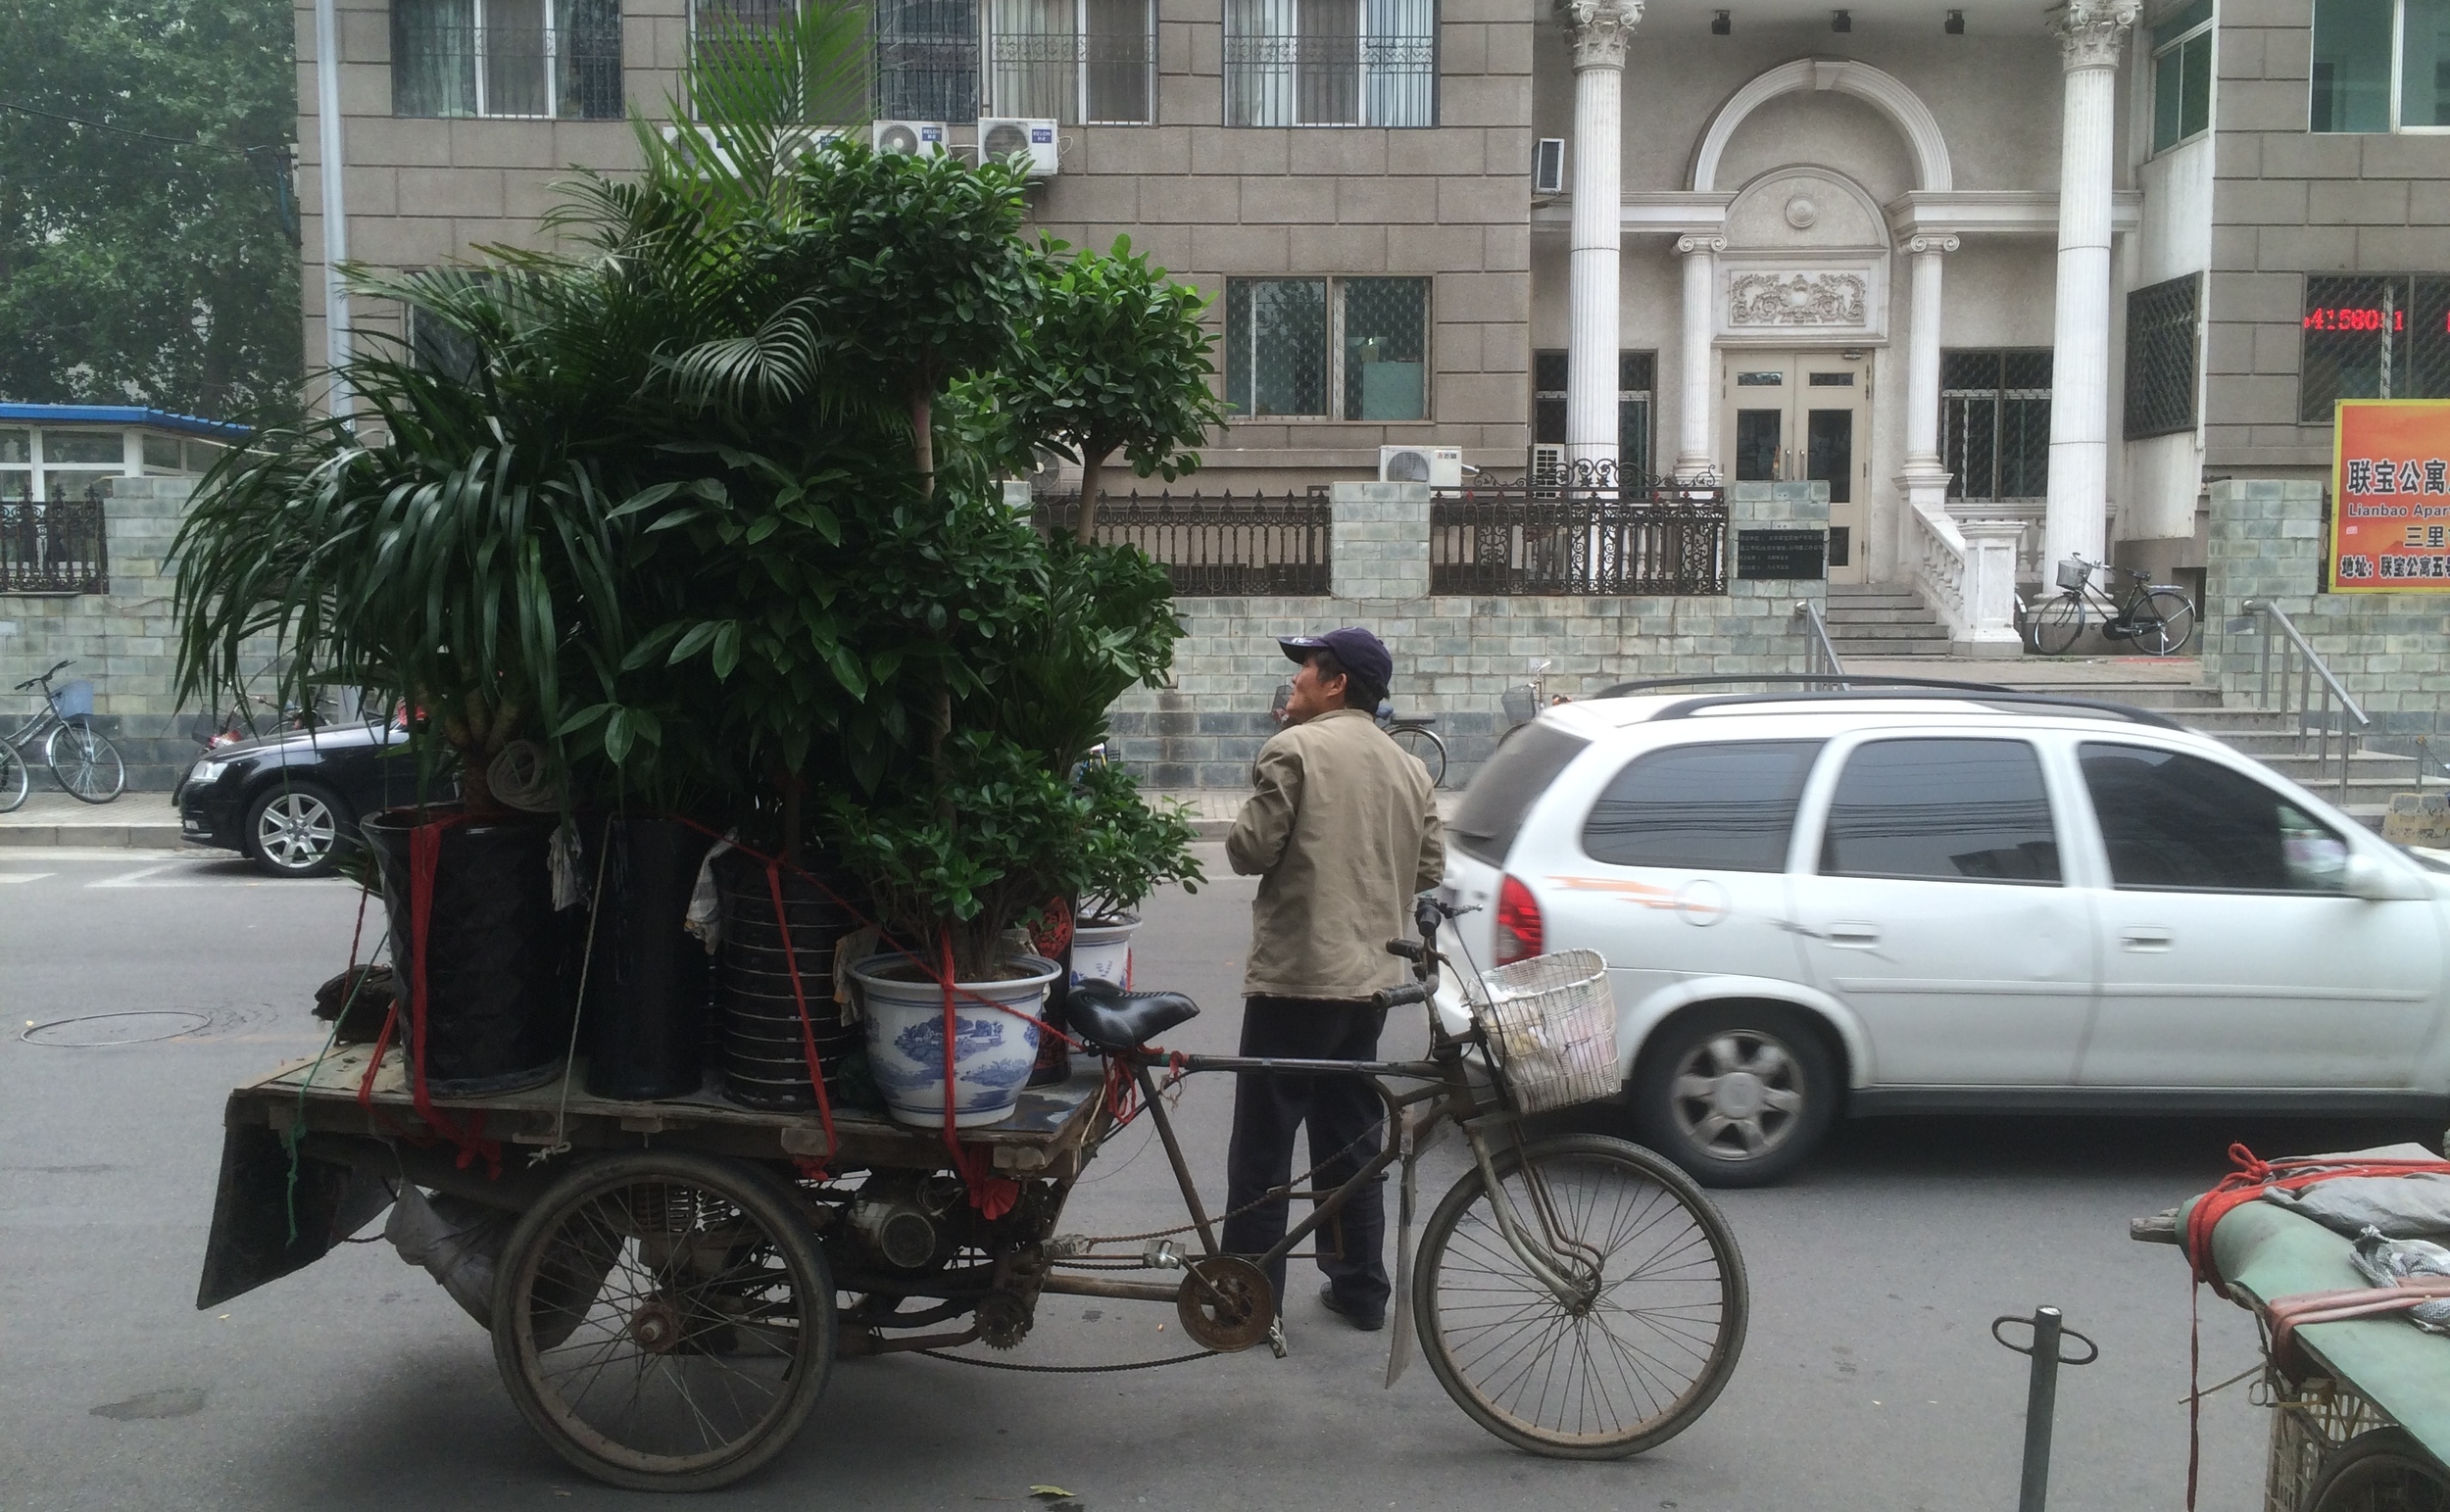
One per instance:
[(1113, 1019)]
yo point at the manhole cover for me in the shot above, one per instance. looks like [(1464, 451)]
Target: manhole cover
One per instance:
[(133, 1027)]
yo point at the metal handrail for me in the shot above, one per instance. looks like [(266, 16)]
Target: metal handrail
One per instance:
[(1820, 657), (2299, 662)]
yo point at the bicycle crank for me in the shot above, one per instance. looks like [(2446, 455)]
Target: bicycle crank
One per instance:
[(1225, 1302)]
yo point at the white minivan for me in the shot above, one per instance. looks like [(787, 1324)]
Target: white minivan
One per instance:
[(1905, 900)]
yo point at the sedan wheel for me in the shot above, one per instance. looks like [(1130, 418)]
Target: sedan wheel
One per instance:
[(1736, 1093), (295, 831)]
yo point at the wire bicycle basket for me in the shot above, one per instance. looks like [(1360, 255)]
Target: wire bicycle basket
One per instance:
[(2074, 573), (1551, 1024)]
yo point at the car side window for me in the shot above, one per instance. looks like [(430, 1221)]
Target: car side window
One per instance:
[(1953, 810), (1722, 806), (2177, 822)]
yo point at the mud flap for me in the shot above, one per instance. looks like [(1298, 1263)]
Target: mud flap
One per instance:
[(252, 1241), (1416, 1133)]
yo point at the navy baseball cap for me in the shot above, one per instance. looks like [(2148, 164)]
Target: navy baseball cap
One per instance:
[(1358, 652)]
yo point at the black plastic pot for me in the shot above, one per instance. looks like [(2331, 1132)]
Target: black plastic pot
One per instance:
[(497, 956), (646, 986), (764, 1059)]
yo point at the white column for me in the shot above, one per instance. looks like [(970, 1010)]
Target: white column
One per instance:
[(1922, 360), (1697, 440), (2092, 35), (1596, 30), (330, 147)]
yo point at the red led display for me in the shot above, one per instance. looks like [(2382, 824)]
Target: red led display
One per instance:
[(2351, 320)]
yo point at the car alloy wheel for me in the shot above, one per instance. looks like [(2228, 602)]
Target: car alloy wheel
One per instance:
[(295, 831), (1738, 1094)]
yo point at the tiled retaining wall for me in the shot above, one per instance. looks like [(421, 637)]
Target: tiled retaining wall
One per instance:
[(1455, 657), (122, 641), (2391, 651)]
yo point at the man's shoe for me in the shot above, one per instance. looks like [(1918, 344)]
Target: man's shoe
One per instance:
[(1368, 1321)]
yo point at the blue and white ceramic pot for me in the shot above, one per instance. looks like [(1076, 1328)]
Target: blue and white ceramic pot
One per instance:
[(1102, 951), (992, 1051)]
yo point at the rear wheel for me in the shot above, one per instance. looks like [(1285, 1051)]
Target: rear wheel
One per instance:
[(2164, 622), (12, 777), (1641, 1346), (85, 765), (1425, 746), (2054, 626), (2384, 1471), (1737, 1093), (664, 1320)]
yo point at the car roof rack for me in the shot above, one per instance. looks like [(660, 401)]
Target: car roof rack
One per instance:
[(1849, 687)]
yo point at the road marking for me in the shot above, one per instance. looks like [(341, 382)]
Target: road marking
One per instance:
[(24, 876), (139, 878)]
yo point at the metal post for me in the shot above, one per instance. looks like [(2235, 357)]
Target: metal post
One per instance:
[(2041, 1401)]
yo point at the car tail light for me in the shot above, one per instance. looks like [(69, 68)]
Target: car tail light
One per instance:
[(1519, 931)]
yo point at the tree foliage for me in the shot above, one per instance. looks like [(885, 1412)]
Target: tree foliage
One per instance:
[(147, 259)]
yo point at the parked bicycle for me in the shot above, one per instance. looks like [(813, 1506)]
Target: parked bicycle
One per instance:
[(82, 761), (2157, 617), (1413, 732)]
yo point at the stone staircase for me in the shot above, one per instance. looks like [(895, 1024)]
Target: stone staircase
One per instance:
[(1883, 620), (2174, 686)]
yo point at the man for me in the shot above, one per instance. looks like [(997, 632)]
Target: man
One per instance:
[(1342, 833)]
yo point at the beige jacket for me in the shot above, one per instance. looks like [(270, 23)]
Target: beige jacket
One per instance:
[(1342, 833)]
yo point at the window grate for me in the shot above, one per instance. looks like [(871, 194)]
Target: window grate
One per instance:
[(1331, 62), (1290, 344), (927, 59), (2373, 336), (1994, 424), (531, 58), (1636, 377), (1076, 61), (2161, 343)]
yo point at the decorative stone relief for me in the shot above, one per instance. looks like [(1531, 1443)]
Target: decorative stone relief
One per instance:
[(1598, 29), (1801, 213), (1795, 299), (2091, 32), (1686, 246), (1929, 241)]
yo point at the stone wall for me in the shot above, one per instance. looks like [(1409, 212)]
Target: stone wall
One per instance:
[(124, 641), (2391, 651), (1455, 657)]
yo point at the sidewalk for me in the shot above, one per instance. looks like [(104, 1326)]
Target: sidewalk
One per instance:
[(50, 817)]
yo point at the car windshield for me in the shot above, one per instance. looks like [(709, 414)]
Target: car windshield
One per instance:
[(1493, 806)]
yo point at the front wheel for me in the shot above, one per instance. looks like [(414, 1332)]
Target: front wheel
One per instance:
[(2053, 628), (2164, 622), (296, 829), (1645, 1342), (664, 1320), (84, 763), (1425, 746)]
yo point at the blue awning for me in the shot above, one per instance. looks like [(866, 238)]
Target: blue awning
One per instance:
[(120, 414)]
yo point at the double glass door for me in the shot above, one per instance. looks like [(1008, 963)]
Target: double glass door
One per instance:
[(1805, 416)]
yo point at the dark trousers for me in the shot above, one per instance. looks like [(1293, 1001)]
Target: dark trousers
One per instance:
[(1341, 1111)]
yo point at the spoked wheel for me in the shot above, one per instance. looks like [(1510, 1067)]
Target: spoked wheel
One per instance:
[(12, 777), (1650, 1333), (2164, 622), (1426, 746), (2383, 1471), (2055, 624), (86, 764), (664, 1320)]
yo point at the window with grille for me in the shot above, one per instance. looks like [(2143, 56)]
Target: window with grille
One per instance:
[(2182, 76), (1636, 375), (2161, 358), (506, 58), (2380, 66), (927, 59), (1291, 345), (2373, 336), (1331, 62), (1994, 424), (1078, 60)]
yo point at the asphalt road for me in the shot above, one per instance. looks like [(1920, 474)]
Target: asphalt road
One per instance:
[(1868, 1380)]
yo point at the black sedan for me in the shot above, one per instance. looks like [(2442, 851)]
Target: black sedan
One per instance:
[(290, 800)]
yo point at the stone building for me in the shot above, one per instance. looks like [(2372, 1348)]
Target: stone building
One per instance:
[(2014, 282)]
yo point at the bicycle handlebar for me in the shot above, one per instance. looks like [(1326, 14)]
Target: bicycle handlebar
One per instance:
[(43, 677), (1397, 996)]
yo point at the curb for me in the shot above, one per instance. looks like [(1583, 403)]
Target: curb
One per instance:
[(125, 836)]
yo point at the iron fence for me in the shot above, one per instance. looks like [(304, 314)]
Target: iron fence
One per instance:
[(1215, 544), (1650, 536), (53, 548)]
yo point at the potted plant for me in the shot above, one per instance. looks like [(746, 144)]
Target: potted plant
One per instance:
[(1133, 848), (949, 870)]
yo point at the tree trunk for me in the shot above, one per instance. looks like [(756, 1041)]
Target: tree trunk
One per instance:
[(923, 439), (1092, 473)]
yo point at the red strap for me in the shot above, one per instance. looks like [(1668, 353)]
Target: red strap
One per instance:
[(807, 1035)]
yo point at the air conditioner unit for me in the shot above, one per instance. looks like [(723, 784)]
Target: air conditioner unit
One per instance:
[(905, 138), (1000, 136), (788, 143), (1548, 166), (1547, 465), (1440, 466)]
